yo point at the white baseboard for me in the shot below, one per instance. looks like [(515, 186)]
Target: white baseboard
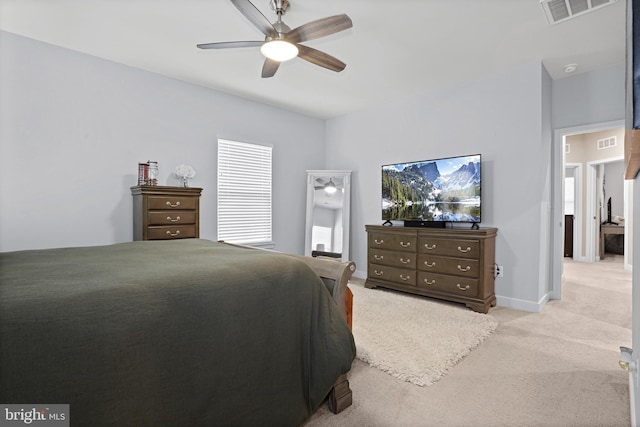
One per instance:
[(360, 274), (519, 304)]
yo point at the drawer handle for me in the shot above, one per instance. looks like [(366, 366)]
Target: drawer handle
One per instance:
[(464, 251), (466, 288), (405, 278), (405, 261), (173, 220), (379, 257), (433, 264), (173, 206), (378, 273), (169, 233), (426, 245), (430, 283), (467, 268), (378, 242), (405, 245)]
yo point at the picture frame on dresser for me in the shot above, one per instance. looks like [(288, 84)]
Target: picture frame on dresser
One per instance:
[(451, 264)]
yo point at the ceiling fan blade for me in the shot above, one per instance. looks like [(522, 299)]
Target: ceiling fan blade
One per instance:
[(256, 17), (320, 58), (319, 28), (269, 68), (227, 45)]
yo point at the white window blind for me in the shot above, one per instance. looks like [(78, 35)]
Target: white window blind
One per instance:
[(244, 193)]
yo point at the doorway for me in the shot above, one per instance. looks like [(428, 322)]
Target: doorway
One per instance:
[(606, 210), (573, 217), (558, 198)]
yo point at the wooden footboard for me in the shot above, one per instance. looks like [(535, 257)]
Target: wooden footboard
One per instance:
[(335, 274)]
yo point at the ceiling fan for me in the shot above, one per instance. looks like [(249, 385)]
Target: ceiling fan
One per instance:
[(329, 186), (281, 43)]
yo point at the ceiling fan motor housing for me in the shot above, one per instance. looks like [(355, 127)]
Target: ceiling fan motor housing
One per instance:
[(281, 28), (279, 6)]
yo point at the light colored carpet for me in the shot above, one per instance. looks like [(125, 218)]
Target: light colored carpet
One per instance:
[(557, 368), (413, 338)]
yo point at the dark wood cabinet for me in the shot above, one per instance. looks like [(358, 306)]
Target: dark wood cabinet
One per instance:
[(451, 264), (568, 236), (164, 213)]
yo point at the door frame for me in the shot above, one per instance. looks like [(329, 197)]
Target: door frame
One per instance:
[(593, 235), (578, 215), (557, 222), (591, 214)]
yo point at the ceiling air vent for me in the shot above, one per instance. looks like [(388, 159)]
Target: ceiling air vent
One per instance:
[(605, 143), (561, 10)]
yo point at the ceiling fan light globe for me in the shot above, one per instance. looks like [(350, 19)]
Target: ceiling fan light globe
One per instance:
[(330, 187), (279, 50)]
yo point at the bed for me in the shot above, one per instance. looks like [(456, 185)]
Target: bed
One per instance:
[(174, 333)]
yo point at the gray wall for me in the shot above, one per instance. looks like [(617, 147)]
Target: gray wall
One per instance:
[(508, 118), (499, 116), (594, 97), (74, 127)]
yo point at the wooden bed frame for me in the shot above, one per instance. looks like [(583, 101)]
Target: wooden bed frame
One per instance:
[(335, 274)]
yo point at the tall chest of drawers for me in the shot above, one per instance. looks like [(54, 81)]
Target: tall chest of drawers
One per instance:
[(452, 264), (165, 213)]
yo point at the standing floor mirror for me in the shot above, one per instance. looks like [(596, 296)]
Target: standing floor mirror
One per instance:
[(327, 225)]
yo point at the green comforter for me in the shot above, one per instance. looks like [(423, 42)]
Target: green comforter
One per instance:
[(175, 333)]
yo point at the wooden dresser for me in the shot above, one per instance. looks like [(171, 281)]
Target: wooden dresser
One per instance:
[(163, 213), (449, 263)]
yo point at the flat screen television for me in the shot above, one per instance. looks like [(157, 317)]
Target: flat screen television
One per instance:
[(432, 191)]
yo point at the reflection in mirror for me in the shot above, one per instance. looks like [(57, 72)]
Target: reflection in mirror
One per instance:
[(327, 225)]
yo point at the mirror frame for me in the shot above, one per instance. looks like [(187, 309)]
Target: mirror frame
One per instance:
[(312, 175)]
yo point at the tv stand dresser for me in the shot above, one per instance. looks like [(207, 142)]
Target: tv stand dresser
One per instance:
[(452, 264)]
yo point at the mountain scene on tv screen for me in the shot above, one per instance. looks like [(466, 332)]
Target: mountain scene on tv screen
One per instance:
[(436, 190)]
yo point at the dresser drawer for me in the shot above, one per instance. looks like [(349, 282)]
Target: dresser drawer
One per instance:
[(171, 202), (395, 242), (392, 258), (449, 284), (172, 217), (449, 247), (447, 265), (172, 232), (392, 274)]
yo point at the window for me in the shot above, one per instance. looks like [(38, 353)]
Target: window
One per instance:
[(244, 193)]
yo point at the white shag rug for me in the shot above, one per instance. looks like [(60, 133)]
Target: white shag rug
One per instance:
[(414, 339)]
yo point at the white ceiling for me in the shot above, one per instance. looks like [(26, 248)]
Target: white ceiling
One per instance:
[(395, 48)]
